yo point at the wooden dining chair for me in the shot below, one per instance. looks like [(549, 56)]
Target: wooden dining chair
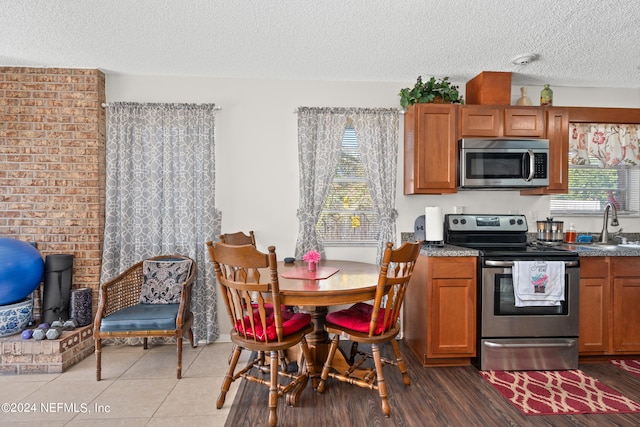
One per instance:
[(239, 238), (373, 324), (259, 323)]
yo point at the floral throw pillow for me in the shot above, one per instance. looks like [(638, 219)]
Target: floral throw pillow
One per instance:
[(163, 279)]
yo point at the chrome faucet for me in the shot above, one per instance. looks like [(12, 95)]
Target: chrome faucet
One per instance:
[(604, 236)]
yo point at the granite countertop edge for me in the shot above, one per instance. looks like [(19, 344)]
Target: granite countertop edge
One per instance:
[(583, 250), (589, 251)]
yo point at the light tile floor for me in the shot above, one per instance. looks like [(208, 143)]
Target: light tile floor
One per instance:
[(138, 388)]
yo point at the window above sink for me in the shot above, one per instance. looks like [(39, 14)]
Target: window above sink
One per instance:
[(603, 168)]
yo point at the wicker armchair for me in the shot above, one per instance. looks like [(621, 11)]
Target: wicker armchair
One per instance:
[(138, 304)]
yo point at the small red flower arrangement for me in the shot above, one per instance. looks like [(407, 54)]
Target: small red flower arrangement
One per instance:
[(312, 258)]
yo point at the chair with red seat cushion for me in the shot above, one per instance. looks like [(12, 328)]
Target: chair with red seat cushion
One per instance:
[(249, 287), (373, 324), (241, 238)]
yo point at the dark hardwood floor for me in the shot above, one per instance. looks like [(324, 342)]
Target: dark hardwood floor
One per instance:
[(456, 396)]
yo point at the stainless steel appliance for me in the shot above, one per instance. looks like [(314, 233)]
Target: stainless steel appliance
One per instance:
[(503, 163), (512, 337)]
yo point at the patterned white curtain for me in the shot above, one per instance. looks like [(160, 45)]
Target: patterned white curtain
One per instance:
[(377, 133), (160, 187), (610, 144), (320, 133)]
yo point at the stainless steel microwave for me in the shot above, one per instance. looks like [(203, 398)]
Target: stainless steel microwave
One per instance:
[(503, 163)]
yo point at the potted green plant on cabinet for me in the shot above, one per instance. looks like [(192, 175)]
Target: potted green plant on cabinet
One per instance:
[(435, 91)]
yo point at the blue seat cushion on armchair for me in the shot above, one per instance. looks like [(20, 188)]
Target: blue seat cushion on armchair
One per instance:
[(142, 317)]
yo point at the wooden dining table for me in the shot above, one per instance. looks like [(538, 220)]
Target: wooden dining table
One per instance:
[(334, 283)]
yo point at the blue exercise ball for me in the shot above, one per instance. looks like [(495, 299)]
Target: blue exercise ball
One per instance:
[(21, 270)]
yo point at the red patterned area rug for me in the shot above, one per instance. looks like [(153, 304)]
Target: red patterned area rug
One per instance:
[(631, 366), (558, 393)]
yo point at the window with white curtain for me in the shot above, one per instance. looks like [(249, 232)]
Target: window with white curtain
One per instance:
[(603, 168), (349, 215)]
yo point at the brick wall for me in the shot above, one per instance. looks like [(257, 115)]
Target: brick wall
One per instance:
[(52, 158)]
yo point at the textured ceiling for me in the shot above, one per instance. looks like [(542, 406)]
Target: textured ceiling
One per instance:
[(583, 43)]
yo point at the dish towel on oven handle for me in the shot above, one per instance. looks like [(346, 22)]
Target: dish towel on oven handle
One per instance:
[(538, 283)]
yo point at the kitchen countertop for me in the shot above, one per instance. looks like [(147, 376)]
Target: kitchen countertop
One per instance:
[(597, 250), (582, 249), (447, 250)]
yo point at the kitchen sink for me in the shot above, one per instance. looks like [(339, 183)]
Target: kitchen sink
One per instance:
[(607, 246), (635, 245), (597, 247)]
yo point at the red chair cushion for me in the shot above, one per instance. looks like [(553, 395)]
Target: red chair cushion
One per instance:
[(357, 318), (291, 323)]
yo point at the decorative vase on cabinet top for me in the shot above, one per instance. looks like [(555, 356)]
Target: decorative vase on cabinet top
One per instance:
[(524, 99), (546, 96)]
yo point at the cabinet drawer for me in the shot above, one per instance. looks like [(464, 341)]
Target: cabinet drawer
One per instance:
[(626, 267), (452, 267), (480, 121), (594, 267), (523, 122)]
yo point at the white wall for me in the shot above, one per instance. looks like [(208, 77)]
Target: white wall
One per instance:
[(256, 150)]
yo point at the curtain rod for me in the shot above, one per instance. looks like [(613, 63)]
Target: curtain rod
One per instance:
[(400, 110), (106, 104)]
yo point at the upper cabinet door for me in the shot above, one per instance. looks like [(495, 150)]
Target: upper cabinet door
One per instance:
[(498, 121), (480, 120), (557, 132), (524, 122), (430, 149)]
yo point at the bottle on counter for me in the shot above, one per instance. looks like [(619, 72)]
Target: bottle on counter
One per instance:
[(570, 234)]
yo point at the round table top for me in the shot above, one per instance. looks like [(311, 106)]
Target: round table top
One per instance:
[(353, 282)]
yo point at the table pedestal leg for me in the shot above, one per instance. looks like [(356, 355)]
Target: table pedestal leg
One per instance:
[(318, 339)]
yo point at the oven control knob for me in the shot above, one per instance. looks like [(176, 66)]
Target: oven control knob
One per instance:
[(512, 221), (455, 220), (463, 221), (520, 222)]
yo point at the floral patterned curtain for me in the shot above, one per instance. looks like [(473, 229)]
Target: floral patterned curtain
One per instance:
[(611, 144), (160, 187)]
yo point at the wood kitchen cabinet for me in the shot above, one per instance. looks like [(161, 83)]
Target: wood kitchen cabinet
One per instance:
[(609, 301), (500, 121), (430, 149), (440, 310), (557, 132), (594, 305), (432, 132), (626, 304)]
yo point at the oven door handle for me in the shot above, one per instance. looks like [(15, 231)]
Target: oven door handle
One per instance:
[(568, 343), (490, 263)]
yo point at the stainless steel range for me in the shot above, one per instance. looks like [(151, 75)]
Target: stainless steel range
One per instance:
[(518, 329)]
